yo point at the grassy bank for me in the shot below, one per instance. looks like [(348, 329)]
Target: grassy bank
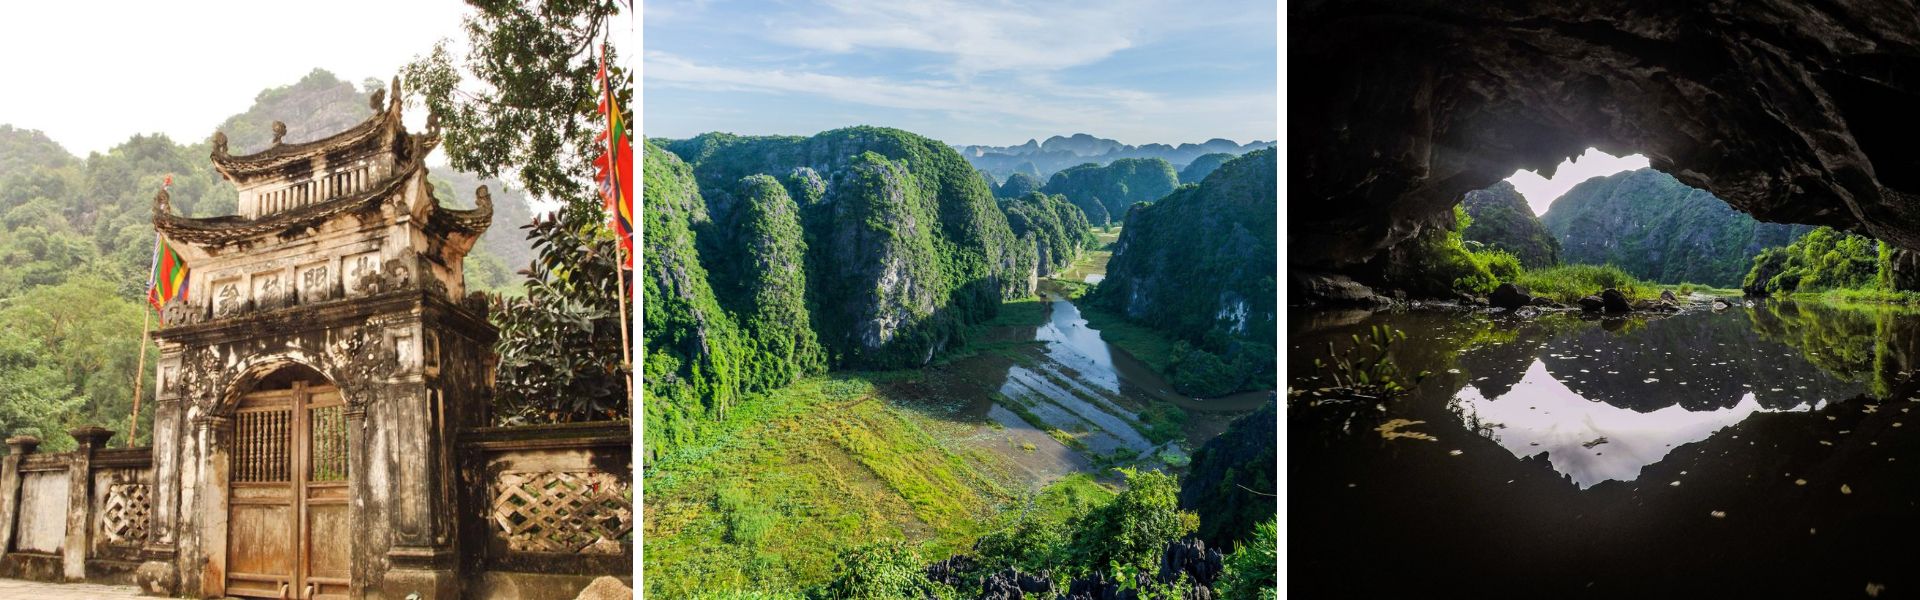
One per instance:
[(803, 474)]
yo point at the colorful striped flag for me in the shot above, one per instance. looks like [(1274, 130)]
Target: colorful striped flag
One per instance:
[(170, 275), (615, 166)]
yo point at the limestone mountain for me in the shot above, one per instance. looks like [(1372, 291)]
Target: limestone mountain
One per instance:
[(1656, 228), (1017, 185), (1501, 219), (904, 243), (771, 258), (1105, 191), (1200, 264), (1202, 166), (1043, 159)]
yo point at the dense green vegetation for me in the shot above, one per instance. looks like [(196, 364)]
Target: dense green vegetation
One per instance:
[(1439, 262), (1824, 259), (1017, 185), (1199, 265), (1057, 231), (1658, 229), (1104, 192), (1569, 283), (1203, 166), (1501, 220), (780, 487)]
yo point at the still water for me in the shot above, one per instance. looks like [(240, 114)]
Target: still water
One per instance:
[(1759, 451)]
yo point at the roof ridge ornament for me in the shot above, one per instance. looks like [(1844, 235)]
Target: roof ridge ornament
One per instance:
[(378, 100), (279, 133), (219, 143)]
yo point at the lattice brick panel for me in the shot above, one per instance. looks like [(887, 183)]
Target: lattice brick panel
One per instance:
[(583, 512), (124, 519)]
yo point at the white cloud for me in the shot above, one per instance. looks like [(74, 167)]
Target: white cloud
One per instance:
[(979, 37), (1132, 116)]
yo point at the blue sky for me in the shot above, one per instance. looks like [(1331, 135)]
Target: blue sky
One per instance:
[(982, 72)]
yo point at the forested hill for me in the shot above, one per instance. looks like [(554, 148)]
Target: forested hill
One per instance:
[(1501, 219), (770, 258), (76, 243), (1042, 159), (1200, 265), (1656, 228)]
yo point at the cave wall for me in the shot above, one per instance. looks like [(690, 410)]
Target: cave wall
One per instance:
[(1795, 112)]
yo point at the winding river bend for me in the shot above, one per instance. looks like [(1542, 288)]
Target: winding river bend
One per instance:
[(1072, 382), (1767, 450)]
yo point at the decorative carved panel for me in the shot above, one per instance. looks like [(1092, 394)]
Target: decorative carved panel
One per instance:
[(124, 518), (228, 298), (575, 512), (316, 282)]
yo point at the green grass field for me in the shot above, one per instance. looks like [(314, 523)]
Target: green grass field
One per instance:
[(803, 473)]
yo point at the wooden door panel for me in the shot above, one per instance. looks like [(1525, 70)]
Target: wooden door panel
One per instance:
[(259, 558), (287, 522)]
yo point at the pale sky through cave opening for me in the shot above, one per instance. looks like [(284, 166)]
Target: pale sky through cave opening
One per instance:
[(1540, 192)]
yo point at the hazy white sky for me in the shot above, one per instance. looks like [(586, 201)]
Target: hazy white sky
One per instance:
[(92, 74), (1541, 192)]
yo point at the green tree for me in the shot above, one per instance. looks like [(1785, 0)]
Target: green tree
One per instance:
[(1134, 529), (539, 118)]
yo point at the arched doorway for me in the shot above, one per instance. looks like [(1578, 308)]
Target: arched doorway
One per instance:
[(287, 520)]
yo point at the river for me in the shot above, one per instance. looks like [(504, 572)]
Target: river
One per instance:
[(1758, 451)]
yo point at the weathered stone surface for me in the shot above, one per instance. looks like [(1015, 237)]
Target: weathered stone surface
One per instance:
[(1330, 289), (606, 588), (1592, 304), (1795, 112), (1614, 301), (1509, 296), (1667, 296)]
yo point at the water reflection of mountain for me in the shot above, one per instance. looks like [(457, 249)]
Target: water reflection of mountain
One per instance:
[(1699, 361)]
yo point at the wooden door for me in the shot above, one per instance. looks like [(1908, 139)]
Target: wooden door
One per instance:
[(287, 534)]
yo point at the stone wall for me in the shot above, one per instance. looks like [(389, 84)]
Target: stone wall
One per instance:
[(72, 516), (546, 509)]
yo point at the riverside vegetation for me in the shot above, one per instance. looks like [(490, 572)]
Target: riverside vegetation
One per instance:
[(828, 317)]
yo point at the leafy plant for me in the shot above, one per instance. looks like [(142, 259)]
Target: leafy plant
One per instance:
[(560, 345), (1249, 571)]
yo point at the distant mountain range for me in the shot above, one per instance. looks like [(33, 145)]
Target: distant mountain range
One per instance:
[(1041, 159)]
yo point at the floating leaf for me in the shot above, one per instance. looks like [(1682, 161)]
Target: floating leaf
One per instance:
[(1845, 490), (1799, 482), (1718, 514), (1391, 430), (1455, 453)]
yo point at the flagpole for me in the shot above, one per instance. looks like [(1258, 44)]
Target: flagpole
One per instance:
[(139, 376), (626, 343)]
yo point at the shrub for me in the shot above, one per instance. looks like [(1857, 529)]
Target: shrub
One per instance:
[(1134, 529), (1249, 570), (1569, 283), (887, 569)]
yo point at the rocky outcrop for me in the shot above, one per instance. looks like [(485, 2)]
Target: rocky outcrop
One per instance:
[(1792, 111), (904, 244), (1202, 259), (1509, 296), (1614, 301), (1501, 219)]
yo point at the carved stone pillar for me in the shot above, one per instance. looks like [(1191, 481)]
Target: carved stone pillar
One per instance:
[(210, 502), (157, 576), (73, 554), (18, 447), (358, 495)]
